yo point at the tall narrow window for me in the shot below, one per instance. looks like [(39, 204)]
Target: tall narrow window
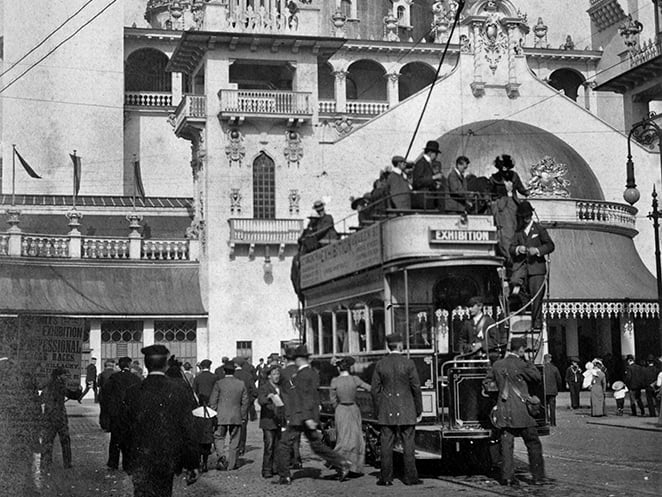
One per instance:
[(264, 187)]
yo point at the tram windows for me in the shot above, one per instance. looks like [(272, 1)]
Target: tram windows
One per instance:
[(377, 328), (327, 333), (358, 334), (342, 332), (314, 333), (420, 326)]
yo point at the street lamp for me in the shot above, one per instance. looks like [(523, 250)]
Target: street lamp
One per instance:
[(647, 131)]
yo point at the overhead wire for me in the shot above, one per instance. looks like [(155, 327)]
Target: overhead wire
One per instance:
[(44, 40), (56, 47)]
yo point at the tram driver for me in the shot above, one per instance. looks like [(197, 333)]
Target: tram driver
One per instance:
[(479, 335)]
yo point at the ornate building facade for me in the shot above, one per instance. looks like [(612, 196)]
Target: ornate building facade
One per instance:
[(253, 109)]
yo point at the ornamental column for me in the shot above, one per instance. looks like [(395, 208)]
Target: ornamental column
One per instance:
[(393, 89), (340, 86)]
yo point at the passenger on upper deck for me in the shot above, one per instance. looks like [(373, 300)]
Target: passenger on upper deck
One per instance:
[(320, 230), (506, 184), (398, 187), (459, 197), (424, 178)]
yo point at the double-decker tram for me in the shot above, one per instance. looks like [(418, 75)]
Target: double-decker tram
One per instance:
[(411, 273)]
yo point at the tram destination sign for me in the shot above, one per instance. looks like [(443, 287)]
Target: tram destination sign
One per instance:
[(462, 236), (358, 251)]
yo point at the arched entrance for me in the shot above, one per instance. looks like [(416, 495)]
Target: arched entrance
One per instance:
[(144, 70)]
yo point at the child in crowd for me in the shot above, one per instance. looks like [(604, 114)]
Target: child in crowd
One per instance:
[(620, 391)]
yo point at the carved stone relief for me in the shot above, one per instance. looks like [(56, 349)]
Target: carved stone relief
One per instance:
[(294, 198), (235, 201), (343, 126), (293, 149), (235, 149), (548, 179)]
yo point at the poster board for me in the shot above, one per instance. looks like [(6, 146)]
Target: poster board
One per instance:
[(49, 342)]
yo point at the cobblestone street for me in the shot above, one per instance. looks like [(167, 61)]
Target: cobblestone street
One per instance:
[(618, 457)]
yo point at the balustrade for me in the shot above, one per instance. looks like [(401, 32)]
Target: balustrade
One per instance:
[(646, 51), (191, 107), (366, 108), (606, 212), (165, 250), (265, 102), (265, 230), (242, 17), (327, 106), (148, 99), (44, 246), (105, 248)]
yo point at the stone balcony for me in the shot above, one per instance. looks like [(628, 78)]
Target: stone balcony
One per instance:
[(252, 232), (237, 105), (190, 115), (590, 214)]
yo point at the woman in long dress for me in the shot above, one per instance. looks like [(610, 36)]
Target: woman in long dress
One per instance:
[(598, 387), (349, 434)]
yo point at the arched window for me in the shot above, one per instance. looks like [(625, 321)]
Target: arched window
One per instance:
[(567, 80), (144, 70), (369, 81), (413, 78), (347, 8), (264, 187)]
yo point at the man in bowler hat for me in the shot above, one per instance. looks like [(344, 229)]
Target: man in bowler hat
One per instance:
[(528, 250), (396, 392), (303, 416), (161, 435), (424, 179), (512, 375)]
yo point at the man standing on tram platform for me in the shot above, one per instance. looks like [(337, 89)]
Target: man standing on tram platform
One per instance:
[(478, 335), (396, 391), (528, 250)]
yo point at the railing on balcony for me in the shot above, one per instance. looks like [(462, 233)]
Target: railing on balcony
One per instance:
[(243, 18), (18, 244), (366, 108), (191, 107), (105, 248), (149, 99), (611, 215), (265, 102), (646, 51), (165, 250), (327, 106), (253, 232), (44, 246)]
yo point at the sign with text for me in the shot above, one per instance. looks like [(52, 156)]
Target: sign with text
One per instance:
[(49, 342), (358, 251), (462, 236)]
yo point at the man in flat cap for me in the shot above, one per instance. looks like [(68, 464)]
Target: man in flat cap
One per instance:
[(115, 392), (396, 392), (398, 185), (161, 436), (230, 399), (303, 416), (512, 375)]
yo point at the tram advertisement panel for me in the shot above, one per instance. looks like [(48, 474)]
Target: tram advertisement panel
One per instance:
[(359, 251), (49, 342)]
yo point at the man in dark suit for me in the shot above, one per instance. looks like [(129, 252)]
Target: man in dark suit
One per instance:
[(286, 376), (161, 435), (398, 186), (229, 398), (91, 380), (511, 375), (396, 392), (477, 335), (528, 250), (56, 422), (115, 391), (424, 179), (304, 417), (102, 381), (553, 383), (574, 379), (204, 381), (241, 372), (458, 193)]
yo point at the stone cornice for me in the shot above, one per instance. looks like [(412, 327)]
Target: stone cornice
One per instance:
[(606, 13)]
